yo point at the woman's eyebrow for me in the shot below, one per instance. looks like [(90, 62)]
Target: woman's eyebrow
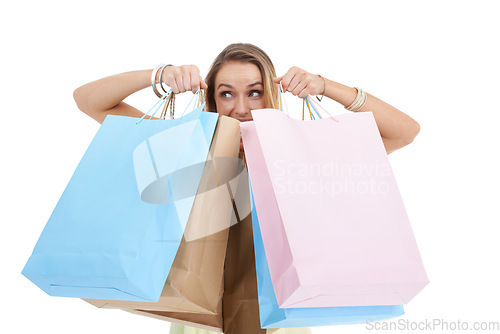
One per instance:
[(231, 86), (255, 84)]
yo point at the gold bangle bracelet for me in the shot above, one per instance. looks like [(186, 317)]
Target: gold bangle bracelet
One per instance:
[(359, 102)]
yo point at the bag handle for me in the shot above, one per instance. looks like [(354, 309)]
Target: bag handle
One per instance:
[(313, 103), (281, 101), (157, 105), (169, 100), (309, 100), (196, 95), (309, 105), (303, 109)]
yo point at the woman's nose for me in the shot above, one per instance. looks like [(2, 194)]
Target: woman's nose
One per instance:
[(241, 107)]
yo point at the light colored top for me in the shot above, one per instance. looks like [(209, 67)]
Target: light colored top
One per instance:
[(181, 329)]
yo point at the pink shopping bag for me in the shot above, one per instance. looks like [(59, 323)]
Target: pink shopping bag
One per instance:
[(333, 222)]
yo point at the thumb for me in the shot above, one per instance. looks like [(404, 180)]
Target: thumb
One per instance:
[(203, 85), (277, 79)]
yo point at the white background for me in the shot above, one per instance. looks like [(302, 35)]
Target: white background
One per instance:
[(437, 61)]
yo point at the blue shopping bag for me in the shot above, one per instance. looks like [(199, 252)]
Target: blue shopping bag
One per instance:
[(116, 229), (271, 316)]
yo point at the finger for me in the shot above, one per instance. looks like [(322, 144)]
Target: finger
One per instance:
[(203, 84), (173, 86), (285, 82), (304, 92), (179, 85), (197, 81), (185, 79), (194, 84), (296, 83), (186, 82), (277, 79), (295, 80), (180, 82), (289, 77), (304, 83), (299, 88)]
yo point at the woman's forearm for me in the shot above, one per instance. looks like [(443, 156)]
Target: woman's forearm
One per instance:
[(393, 124), (106, 93), (105, 96)]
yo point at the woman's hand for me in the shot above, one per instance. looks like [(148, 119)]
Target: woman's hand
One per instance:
[(183, 78), (301, 83)]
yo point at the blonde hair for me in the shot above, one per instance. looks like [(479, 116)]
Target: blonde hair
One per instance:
[(243, 52)]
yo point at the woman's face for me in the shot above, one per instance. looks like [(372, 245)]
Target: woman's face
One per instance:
[(239, 89)]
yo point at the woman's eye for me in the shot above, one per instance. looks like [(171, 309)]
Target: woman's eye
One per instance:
[(225, 94), (255, 93)]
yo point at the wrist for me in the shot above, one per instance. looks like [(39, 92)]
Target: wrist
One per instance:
[(340, 93), (322, 90), (157, 80)]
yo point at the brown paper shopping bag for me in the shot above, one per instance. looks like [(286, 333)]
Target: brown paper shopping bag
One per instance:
[(240, 303), (195, 284)]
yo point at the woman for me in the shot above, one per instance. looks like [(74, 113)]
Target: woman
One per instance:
[(242, 78), (231, 91)]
